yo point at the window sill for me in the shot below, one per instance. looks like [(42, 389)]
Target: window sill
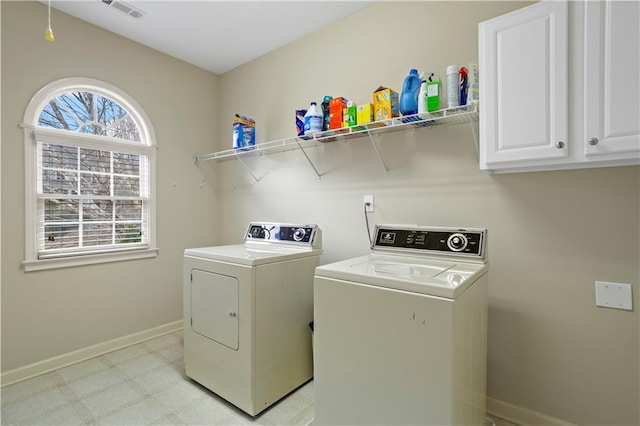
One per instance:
[(65, 262)]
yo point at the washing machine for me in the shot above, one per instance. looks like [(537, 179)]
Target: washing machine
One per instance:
[(247, 309), (400, 334)]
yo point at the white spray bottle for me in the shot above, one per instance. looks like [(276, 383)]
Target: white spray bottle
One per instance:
[(422, 94)]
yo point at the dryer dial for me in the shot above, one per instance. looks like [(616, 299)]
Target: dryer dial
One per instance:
[(299, 234), (457, 242)]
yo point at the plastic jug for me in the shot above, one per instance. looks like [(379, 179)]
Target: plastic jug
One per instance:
[(409, 96), (422, 97), (312, 120), (326, 117), (425, 77)]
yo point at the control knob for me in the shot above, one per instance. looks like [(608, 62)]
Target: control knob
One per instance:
[(457, 242), (299, 234)]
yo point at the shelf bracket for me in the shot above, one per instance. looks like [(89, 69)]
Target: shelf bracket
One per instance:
[(309, 160), (247, 168), (375, 148), (474, 134)]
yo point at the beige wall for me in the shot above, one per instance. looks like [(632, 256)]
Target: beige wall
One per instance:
[(550, 234), (49, 313)]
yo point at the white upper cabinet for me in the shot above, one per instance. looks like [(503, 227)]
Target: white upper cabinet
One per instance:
[(523, 83), (612, 70), (560, 86)]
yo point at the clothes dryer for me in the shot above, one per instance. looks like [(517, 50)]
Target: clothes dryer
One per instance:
[(247, 309), (400, 334)]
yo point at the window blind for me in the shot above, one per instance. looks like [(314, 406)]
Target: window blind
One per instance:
[(90, 200)]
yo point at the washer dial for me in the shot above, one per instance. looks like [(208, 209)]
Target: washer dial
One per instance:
[(457, 242)]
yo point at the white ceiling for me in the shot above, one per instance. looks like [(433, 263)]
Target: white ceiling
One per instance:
[(215, 35)]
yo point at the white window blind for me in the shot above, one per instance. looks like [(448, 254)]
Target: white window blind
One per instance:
[(90, 200)]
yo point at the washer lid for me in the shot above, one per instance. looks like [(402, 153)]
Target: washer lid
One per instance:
[(250, 255), (422, 275)]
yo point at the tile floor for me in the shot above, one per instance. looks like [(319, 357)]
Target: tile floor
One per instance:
[(143, 384)]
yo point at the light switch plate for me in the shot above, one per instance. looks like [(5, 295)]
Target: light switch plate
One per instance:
[(614, 295)]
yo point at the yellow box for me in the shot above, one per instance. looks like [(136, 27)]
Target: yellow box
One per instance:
[(365, 113), (385, 104)]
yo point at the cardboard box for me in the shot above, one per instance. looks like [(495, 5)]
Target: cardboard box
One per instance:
[(364, 114), (244, 133), (349, 115), (353, 115), (336, 107), (385, 104)]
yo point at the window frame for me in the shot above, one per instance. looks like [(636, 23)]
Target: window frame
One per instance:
[(32, 133)]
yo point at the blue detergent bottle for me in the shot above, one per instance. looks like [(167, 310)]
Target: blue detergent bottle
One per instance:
[(409, 96)]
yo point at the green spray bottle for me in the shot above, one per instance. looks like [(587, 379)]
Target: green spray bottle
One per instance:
[(433, 94)]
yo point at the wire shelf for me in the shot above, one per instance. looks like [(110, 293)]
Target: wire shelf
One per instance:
[(450, 116)]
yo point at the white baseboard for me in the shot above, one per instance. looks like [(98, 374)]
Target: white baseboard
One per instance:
[(521, 416), (41, 367)]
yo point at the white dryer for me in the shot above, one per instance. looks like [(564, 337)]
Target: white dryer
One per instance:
[(247, 309), (400, 334)]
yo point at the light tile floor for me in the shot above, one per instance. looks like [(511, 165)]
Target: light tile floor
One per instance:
[(142, 384)]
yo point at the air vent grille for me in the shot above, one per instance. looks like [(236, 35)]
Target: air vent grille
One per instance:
[(126, 8)]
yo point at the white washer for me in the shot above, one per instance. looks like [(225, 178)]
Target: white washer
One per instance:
[(247, 309), (400, 334)]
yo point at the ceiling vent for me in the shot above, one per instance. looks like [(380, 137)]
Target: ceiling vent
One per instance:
[(126, 8)]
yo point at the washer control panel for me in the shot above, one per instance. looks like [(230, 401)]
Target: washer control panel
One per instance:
[(303, 234), (451, 241)]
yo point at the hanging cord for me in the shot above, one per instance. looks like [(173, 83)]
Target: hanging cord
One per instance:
[(48, 34), (366, 218)]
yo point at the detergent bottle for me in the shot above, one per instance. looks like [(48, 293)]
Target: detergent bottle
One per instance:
[(409, 95), (433, 94), (326, 116), (312, 120)]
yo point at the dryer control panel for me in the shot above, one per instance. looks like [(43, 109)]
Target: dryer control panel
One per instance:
[(467, 242), (274, 232)]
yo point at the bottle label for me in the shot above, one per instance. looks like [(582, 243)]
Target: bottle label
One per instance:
[(313, 123)]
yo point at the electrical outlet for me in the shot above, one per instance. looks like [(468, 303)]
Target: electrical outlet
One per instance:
[(368, 203)]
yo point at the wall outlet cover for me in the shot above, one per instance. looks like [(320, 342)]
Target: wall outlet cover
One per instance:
[(368, 203), (614, 295)]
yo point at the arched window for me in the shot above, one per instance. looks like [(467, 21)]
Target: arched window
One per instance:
[(89, 176)]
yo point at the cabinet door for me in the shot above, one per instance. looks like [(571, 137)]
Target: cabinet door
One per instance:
[(612, 76), (523, 83)]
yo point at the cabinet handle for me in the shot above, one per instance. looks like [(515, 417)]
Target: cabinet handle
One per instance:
[(232, 314), (559, 144), (593, 141)]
